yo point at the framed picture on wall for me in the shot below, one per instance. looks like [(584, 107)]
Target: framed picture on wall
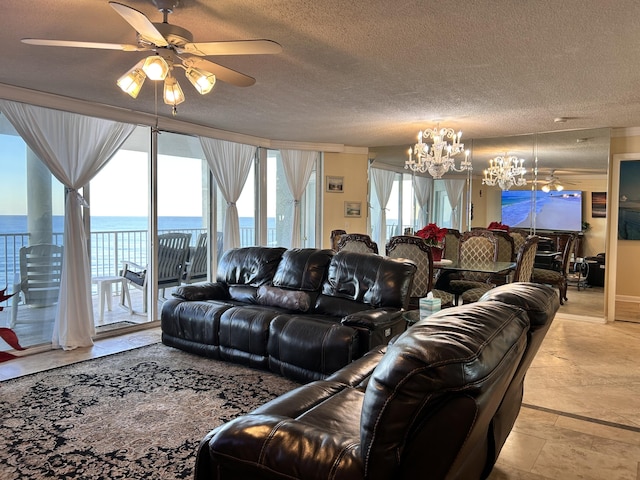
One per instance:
[(629, 204), (352, 209), (598, 204), (335, 184)]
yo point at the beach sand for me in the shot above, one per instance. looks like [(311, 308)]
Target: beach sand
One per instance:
[(553, 214)]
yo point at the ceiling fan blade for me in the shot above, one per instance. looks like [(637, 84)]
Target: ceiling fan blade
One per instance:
[(222, 73), (71, 43), (140, 23), (236, 47)]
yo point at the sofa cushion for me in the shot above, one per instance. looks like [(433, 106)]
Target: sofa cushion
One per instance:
[(294, 300), (302, 269), (370, 279), (253, 266)]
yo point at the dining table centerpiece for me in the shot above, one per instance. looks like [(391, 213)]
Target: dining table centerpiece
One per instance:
[(434, 237)]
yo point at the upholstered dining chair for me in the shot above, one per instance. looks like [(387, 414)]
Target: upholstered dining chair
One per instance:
[(336, 235), (519, 236), (524, 270), (416, 249), (357, 242), (475, 246), (558, 278), (452, 245), (173, 251)]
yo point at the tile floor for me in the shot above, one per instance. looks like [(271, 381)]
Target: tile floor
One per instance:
[(581, 412)]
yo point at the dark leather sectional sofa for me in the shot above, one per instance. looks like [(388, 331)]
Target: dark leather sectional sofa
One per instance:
[(438, 402), (303, 313)]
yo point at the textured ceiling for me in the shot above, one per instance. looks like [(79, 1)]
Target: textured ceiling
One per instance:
[(359, 73)]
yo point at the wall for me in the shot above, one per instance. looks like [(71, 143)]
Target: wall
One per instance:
[(628, 251), (354, 168)]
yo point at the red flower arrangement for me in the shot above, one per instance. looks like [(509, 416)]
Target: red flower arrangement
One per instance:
[(432, 234), (498, 226), (7, 334)]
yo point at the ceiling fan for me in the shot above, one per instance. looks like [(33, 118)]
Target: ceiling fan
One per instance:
[(173, 47), (552, 181)]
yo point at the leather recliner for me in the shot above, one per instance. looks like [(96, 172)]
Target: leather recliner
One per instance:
[(303, 313), (438, 402)]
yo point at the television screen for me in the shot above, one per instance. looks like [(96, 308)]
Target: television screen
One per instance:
[(554, 210)]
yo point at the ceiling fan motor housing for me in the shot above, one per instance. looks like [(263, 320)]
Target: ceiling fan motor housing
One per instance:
[(174, 34)]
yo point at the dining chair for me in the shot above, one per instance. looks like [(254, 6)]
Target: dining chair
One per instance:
[(558, 278), (416, 249), (475, 246), (336, 235), (357, 242), (452, 245), (519, 237), (173, 251), (40, 274), (523, 272)]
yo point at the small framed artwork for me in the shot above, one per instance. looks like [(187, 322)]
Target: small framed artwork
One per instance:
[(598, 204), (335, 184), (352, 209)]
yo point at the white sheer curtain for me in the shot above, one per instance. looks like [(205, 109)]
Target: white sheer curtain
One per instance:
[(298, 165), (422, 188), (454, 190), (74, 147), (230, 164), (383, 183)]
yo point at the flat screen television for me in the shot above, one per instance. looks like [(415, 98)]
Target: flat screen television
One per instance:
[(557, 211)]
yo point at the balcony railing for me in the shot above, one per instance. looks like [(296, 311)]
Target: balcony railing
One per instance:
[(108, 249)]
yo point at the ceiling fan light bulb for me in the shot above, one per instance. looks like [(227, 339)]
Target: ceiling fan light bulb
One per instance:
[(202, 80), (545, 188), (173, 94), (559, 187), (131, 82), (156, 67)]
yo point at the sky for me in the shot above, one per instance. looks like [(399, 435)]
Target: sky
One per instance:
[(120, 188)]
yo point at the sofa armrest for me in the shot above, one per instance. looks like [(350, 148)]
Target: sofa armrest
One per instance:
[(273, 446), (203, 291), (372, 319)]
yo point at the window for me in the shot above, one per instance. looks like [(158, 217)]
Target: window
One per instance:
[(31, 213)]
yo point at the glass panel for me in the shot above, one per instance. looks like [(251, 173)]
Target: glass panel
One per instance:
[(31, 231), (280, 206), (442, 208), (119, 199)]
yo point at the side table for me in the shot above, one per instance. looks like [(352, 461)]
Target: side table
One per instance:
[(105, 292)]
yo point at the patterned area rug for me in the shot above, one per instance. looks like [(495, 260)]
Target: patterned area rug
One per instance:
[(133, 415)]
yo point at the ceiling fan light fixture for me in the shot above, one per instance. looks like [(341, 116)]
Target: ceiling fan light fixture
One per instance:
[(131, 82), (545, 188), (559, 187), (156, 67), (173, 94), (202, 80)]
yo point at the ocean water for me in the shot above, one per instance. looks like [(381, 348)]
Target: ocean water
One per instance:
[(111, 239)]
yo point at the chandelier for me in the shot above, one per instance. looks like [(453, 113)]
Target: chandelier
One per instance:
[(438, 159), (506, 171), (159, 67)]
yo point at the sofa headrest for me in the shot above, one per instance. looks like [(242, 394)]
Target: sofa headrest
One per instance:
[(253, 266), (369, 278), (302, 269), (539, 301), (455, 365)]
